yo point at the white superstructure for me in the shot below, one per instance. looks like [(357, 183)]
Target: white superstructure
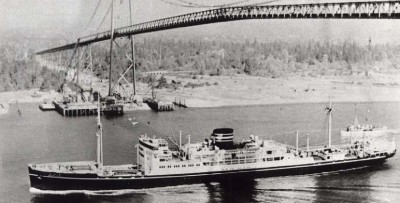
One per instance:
[(155, 158)]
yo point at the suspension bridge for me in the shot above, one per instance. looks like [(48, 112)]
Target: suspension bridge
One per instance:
[(273, 9), (342, 10)]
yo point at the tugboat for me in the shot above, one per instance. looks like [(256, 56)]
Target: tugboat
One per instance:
[(47, 105), (111, 108), (216, 159)]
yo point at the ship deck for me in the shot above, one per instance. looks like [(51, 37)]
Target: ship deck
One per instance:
[(83, 167), (87, 167)]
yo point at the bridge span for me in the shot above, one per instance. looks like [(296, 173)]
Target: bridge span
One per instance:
[(341, 10)]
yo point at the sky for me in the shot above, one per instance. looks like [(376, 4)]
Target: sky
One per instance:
[(38, 14), (71, 19)]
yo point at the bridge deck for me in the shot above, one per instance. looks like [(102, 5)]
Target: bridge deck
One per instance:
[(340, 10)]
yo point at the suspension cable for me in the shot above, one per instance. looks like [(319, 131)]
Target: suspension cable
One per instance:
[(104, 17), (188, 4), (93, 14), (213, 6), (262, 3)]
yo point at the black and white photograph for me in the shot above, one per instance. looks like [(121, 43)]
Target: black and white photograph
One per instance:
[(202, 101)]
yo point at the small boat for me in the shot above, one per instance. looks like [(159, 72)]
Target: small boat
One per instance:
[(47, 106), (36, 95), (357, 130), (112, 108)]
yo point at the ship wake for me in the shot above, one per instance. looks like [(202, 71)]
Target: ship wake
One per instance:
[(122, 192), (85, 192)]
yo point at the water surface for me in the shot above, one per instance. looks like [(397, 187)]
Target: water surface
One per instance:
[(40, 137)]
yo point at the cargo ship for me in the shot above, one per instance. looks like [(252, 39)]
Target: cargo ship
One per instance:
[(217, 159)]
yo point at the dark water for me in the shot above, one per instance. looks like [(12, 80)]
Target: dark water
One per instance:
[(36, 136)]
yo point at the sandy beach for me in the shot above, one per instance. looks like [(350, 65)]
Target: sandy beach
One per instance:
[(249, 90)]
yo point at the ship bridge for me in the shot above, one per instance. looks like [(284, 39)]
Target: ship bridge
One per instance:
[(153, 143)]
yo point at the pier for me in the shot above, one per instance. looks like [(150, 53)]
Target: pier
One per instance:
[(180, 103), (86, 109), (157, 105), (76, 109)]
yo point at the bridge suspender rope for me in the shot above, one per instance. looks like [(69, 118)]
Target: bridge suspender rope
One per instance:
[(341, 10)]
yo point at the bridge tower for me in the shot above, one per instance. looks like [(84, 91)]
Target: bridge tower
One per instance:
[(122, 49), (75, 64)]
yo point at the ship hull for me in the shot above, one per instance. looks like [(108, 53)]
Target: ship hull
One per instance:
[(58, 181)]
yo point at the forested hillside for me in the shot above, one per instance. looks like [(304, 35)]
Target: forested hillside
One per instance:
[(19, 70), (272, 59)]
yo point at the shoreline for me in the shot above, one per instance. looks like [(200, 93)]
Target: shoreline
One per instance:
[(241, 90), (250, 90), (24, 96), (8, 105)]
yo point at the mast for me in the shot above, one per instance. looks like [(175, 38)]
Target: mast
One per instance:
[(363, 144), (329, 122), (356, 121), (91, 67), (188, 152), (297, 142), (99, 135), (180, 140), (111, 48)]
